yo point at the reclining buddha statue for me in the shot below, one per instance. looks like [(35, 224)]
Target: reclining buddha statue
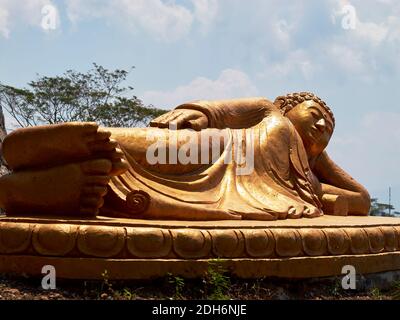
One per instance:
[(205, 160)]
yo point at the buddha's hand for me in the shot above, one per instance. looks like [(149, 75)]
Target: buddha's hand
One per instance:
[(181, 119)]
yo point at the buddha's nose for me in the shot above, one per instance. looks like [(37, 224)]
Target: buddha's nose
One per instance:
[(321, 124)]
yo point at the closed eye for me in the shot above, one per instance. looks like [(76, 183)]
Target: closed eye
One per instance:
[(315, 115)]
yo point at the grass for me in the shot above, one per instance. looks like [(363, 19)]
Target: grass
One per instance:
[(376, 294), (178, 284), (336, 289), (216, 284), (216, 281), (395, 291)]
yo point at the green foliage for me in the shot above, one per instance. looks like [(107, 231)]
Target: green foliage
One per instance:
[(178, 283), (395, 290), (106, 284), (2, 125), (97, 95), (217, 280), (376, 293), (3, 169), (336, 288), (128, 294), (381, 209), (124, 294), (216, 283)]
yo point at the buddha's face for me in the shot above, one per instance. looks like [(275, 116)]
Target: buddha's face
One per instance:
[(314, 124)]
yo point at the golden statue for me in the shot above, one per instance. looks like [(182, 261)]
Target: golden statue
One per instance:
[(206, 160)]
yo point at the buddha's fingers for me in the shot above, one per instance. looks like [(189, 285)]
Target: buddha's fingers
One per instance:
[(198, 124), (165, 120), (183, 120), (178, 121), (160, 119)]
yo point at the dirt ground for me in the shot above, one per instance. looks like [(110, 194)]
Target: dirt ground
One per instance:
[(171, 287)]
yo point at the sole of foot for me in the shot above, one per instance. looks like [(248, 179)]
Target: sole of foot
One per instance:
[(51, 145), (75, 189)]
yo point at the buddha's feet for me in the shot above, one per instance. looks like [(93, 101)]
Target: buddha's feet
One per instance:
[(51, 145), (72, 189), (303, 211), (296, 210)]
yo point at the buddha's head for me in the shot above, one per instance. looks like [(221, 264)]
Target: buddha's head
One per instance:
[(311, 117)]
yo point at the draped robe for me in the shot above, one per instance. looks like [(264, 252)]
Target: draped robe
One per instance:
[(281, 177)]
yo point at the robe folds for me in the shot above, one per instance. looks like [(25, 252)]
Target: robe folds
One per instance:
[(261, 172)]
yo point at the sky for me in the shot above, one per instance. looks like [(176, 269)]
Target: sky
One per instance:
[(346, 52)]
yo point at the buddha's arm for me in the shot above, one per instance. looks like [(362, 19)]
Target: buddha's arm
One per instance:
[(235, 113), (336, 181)]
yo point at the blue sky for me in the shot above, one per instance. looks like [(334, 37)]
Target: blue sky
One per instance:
[(209, 49)]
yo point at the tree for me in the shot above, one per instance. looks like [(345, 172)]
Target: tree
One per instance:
[(97, 95), (2, 125), (3, 169), (382, 209)]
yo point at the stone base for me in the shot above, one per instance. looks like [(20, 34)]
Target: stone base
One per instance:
[(142, 249)]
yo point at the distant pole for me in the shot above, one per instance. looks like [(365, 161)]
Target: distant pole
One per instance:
[(390, 200)]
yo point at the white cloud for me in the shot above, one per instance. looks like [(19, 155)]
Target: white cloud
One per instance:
[(78, 10), (385, 26), (370, 150), (4, 31), (301, 52), (372, 32), (281, 30), (164, 20), (394, 29), (388, 124), (295, 63), (371, 49), (230, 84), (20, 12), (347, 58), (167, 21), (205, 11)]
